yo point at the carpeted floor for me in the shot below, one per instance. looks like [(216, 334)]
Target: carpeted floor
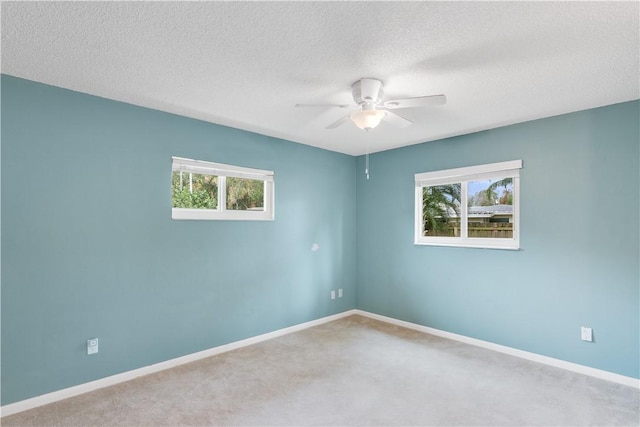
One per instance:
[(353, 371)]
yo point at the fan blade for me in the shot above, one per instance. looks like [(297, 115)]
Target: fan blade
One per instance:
[(339, 122), (419, 101), (322, 105), (396, 120)]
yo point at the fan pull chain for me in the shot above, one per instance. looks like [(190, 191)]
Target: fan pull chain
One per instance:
[(366, 161), (366, 168)]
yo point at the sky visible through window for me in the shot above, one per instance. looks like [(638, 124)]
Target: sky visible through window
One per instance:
[(476, 190), (476, 186)]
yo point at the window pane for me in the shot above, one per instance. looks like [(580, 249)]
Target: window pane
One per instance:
[(194, 191), (441, 210), (245, 194), (490, 206)]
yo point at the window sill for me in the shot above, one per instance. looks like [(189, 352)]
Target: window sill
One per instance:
[(471, 245), (212, 215)]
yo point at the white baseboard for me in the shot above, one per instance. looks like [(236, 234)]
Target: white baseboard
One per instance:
[(581, 369), (34, 402), (66, 393)]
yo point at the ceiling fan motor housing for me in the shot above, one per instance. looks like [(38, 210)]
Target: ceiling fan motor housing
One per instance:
[(367, 91)]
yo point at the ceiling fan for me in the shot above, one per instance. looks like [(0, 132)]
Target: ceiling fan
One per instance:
[(370, 108)]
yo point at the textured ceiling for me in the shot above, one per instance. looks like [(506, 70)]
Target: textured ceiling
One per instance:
[(246, 64)]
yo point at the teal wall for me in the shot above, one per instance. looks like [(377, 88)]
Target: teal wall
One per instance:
[(579, 258), (89, 248)]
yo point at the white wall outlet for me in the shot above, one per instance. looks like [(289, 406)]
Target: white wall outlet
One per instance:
[(586, 334), (92, 345), (340, 293), (333, 294)]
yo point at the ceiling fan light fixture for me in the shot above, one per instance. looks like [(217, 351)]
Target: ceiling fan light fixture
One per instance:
[(367, 119)]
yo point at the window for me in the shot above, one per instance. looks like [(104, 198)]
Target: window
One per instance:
[(205, 190), (476, 206)]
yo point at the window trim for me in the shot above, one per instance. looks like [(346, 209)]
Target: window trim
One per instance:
[(222, 171), (463, 176)]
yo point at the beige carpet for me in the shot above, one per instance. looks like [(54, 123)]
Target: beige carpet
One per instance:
[(354, 371)]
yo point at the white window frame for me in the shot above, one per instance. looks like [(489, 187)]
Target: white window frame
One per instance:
[(222, 171), (463, 176)]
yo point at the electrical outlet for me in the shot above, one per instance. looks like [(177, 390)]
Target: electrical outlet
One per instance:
[(340, 293), (92, 345), (333, 294), (586, 334)]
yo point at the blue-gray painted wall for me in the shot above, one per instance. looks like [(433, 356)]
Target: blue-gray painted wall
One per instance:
[(579, 259), (89, 249)]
